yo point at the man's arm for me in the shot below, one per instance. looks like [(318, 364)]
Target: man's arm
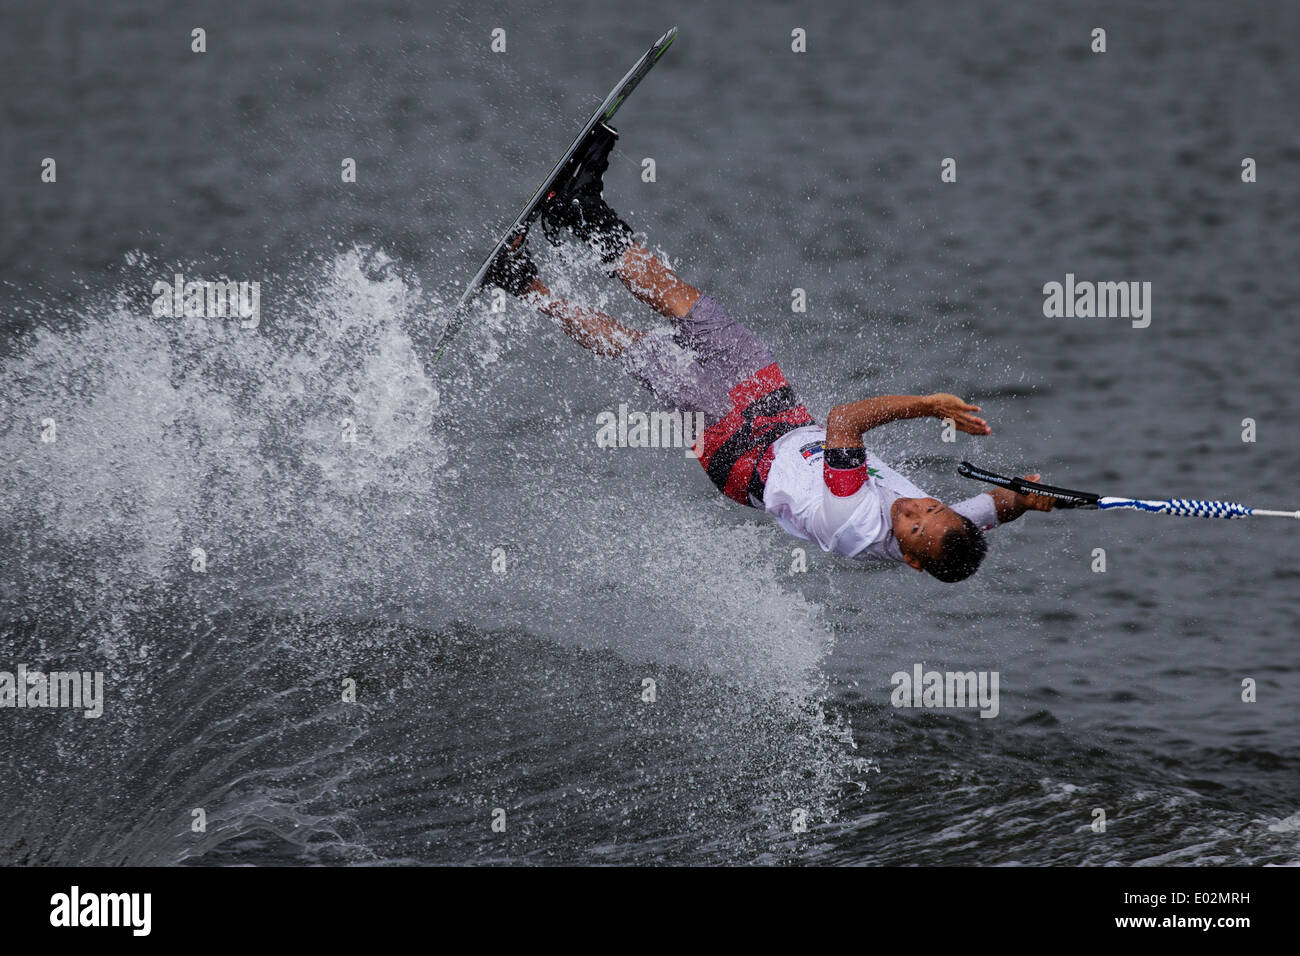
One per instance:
[(1011, 505), (844, 468), (1000, 505), (846, 423)]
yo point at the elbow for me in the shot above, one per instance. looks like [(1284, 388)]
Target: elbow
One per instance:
[(839, 419), (841, 428)]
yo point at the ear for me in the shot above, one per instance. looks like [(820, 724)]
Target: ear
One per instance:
[(913, 562)]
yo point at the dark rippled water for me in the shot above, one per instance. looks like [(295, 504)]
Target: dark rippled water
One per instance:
[(371, 562)]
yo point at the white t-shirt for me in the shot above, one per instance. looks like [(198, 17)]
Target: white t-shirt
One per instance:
[(858, 526)]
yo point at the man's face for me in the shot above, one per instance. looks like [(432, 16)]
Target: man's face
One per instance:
[(919, 525)]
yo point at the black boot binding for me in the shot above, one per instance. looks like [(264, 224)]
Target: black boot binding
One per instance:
[(576, 204), (513, 269)]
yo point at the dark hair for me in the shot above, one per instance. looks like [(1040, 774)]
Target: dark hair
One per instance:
[(960, 554)]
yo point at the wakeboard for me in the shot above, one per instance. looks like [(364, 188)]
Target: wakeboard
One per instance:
[(533, 207)]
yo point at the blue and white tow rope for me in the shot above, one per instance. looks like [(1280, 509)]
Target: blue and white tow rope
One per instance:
[(1193, 508), (1066, 498)]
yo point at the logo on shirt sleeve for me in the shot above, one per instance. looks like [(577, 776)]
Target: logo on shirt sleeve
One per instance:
[(817, 448)]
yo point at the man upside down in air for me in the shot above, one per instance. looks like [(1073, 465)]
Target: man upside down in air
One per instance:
[(761, 447)]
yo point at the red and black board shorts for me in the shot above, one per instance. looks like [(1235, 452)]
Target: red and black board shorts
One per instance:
[(714, 365)]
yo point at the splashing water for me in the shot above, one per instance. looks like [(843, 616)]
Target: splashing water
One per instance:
[(206, 481)]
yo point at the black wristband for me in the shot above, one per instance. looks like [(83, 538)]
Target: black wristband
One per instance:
[(843, 458)]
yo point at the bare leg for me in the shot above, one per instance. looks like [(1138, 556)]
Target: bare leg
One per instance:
[(647, 278), (590, 328)]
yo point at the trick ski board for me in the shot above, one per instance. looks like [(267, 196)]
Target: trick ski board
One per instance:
[(534, 205)]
